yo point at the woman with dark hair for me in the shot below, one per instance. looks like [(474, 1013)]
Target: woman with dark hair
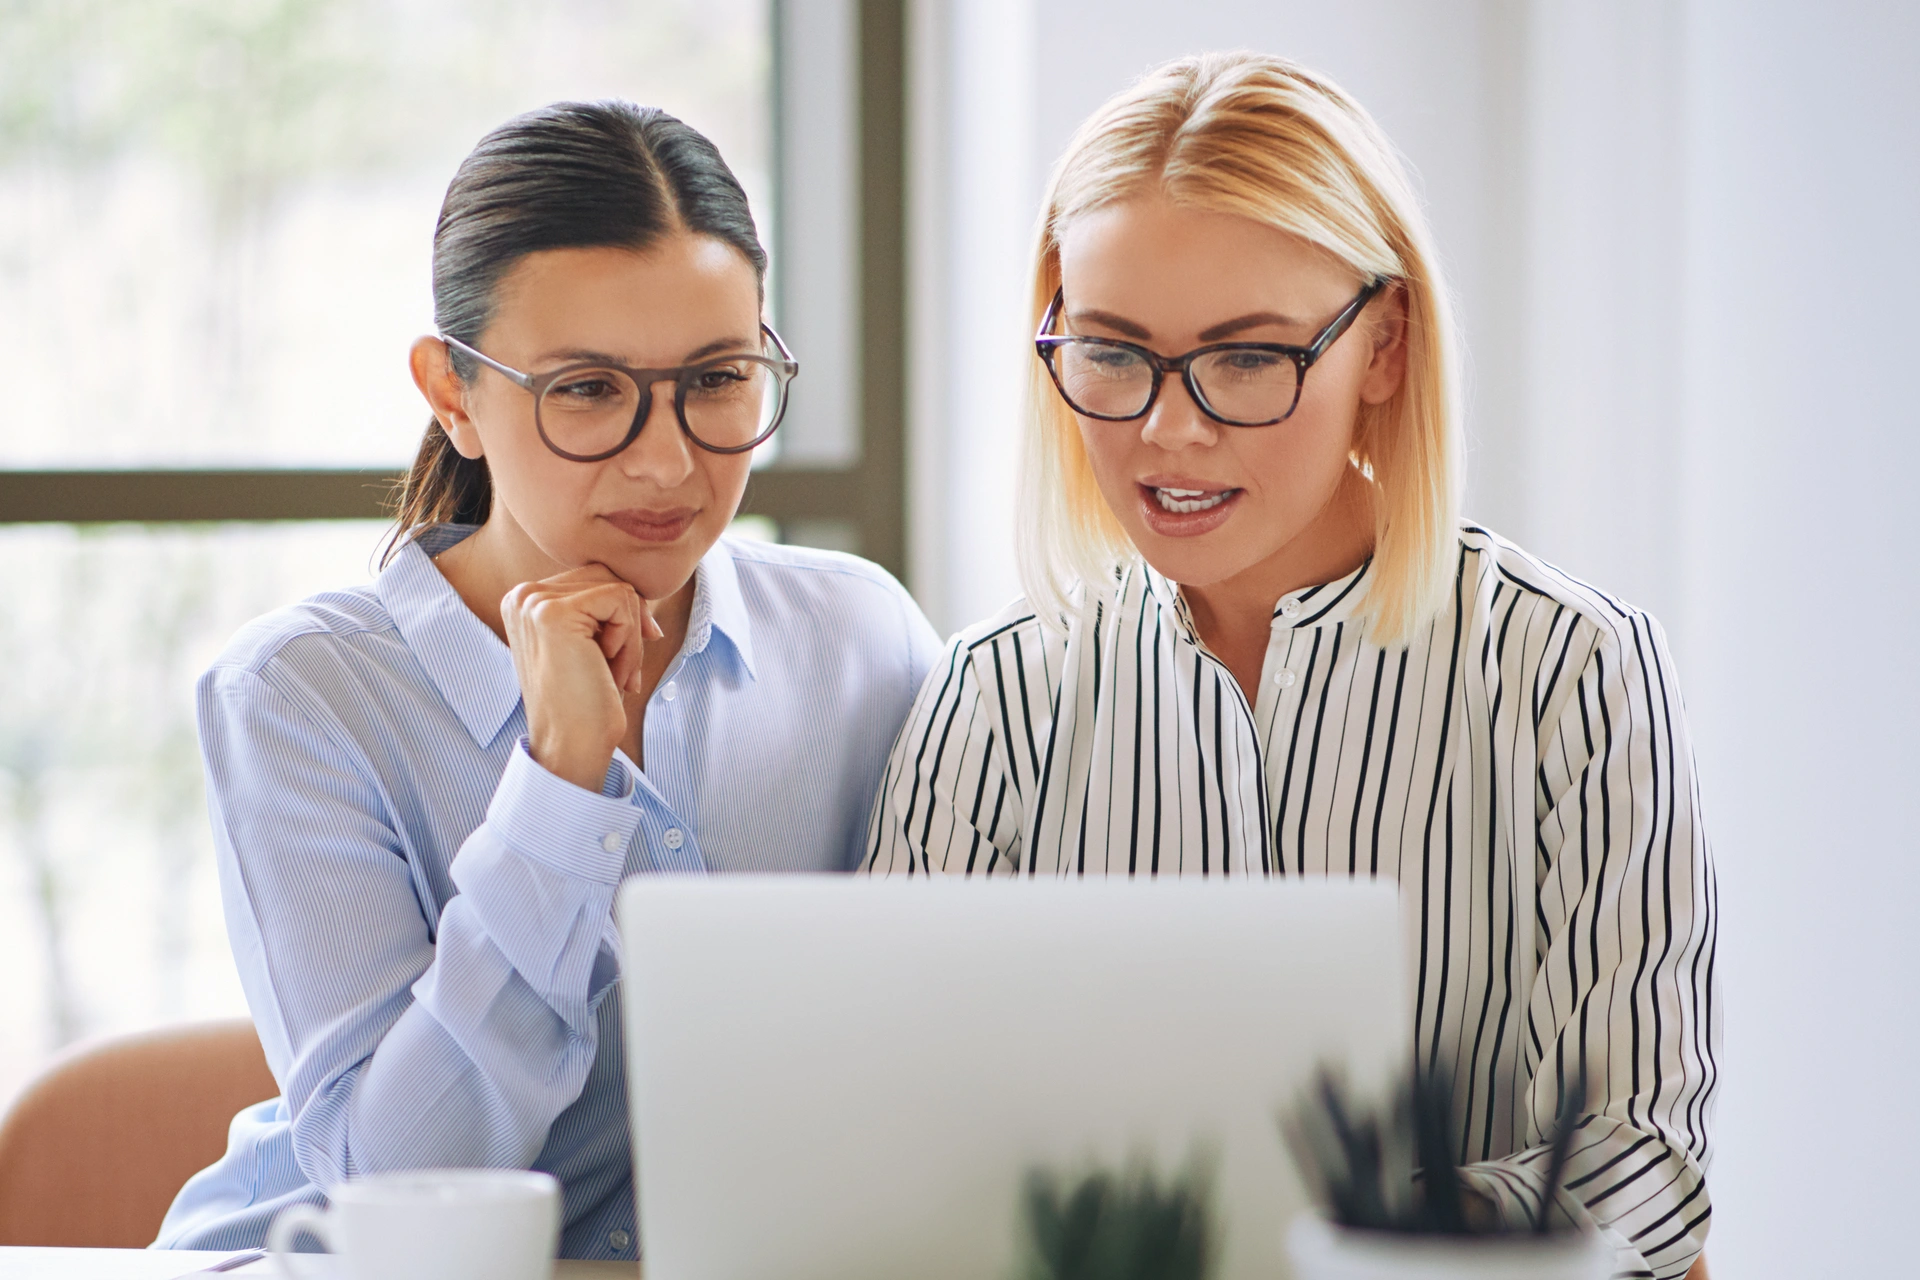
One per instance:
[(425, 792)]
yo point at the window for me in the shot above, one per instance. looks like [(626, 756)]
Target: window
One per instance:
[(109, 912), (217, 211)]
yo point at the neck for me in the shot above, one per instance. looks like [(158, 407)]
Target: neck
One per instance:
[(491, 561), (1234, 616)]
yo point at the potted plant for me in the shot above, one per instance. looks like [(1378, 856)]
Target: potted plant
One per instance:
[(1118, 1226), (1394, 1205)]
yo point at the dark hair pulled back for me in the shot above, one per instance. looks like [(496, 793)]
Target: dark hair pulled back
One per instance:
[(568, 176)]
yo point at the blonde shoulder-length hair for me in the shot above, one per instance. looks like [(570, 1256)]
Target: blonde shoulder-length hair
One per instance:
[(1261, 137)]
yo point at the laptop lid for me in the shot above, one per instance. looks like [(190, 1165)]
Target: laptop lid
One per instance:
[(837, 1078)]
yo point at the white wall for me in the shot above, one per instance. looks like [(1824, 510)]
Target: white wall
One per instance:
[(972, 202), (1802, 445), (1680, 234)]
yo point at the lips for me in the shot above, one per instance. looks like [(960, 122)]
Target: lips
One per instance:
[(653, 526), (1186, 509)]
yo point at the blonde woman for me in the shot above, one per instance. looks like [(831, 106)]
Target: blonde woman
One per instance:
[(1257, 640)]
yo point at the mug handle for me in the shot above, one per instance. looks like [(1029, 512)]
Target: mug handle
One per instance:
[(287, 1226)]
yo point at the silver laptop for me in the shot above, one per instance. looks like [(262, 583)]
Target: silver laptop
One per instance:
[(844, 1079)]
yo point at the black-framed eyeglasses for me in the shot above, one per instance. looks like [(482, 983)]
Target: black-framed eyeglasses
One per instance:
[(1237, 384), (590, 411)]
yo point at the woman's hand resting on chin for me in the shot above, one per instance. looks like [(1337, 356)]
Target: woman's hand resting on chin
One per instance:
[(577, 640)]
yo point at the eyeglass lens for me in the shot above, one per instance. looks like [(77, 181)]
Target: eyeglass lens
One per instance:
[(1239, 384), (728, 405)]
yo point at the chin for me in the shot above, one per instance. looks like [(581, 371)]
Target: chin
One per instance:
[(657, 574), (1190, 562)]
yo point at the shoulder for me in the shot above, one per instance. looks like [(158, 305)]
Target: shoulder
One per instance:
[(331, 619), (1498, 576), (1016, 621), (1007, 655), (836, 607), (833, 582), (1026, 631), (1493, 560), (303, 651)]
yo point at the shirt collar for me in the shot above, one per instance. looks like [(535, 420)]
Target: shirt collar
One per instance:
[(719, 608), (467, 663), (1315, 606), (1325, 604), (1165, 592), (473, 669)]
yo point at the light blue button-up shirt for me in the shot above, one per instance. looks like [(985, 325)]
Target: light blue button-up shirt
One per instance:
[(422, 916)]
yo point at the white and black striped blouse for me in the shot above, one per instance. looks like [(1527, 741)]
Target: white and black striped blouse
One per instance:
[(1522, 769)]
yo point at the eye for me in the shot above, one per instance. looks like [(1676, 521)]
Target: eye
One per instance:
[(721, 380), (1251, 362), (586, 388), (724, 382), (1110, 359)]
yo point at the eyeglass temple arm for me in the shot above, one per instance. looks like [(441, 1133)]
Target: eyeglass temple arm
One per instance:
[(1052, 314), (1344, 321), (780, 345), (512, 375)]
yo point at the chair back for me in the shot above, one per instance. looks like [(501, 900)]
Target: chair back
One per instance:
[(95, 1148)]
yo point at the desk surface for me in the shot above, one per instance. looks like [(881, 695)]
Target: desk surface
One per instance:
[(165, 1264)]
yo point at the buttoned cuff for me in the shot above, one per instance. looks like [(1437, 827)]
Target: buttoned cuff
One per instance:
[(574, 831)]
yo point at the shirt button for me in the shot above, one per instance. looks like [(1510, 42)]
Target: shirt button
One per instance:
[(1284, 679), (611, 842), (675, 837), (618, 1238), (670, 691), (1291, 609)]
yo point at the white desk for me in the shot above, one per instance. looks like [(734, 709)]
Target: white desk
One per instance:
[(165, 1264)]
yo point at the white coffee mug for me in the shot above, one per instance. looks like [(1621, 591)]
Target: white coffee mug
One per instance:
[(431, 1224)]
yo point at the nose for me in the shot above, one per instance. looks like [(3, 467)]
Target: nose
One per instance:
[(661, 453), (1175, 422)]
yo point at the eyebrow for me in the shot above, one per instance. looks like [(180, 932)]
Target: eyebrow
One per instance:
[(581, 355), (1226, 329), (727, 346), (1108, 320), (1240, 324)]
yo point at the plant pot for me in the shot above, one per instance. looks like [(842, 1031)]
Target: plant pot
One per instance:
[(1323, 1251)]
